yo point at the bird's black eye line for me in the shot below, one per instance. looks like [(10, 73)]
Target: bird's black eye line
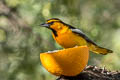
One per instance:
[(51, 23)]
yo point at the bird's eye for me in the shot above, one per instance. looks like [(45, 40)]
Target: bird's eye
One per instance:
[(51, 23)]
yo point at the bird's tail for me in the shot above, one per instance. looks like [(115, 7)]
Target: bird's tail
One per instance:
[(99, 50)]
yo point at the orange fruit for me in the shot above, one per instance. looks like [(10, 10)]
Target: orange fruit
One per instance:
[(67, 62)]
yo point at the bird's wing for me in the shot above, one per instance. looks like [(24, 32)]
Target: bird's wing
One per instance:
[(80, 33)]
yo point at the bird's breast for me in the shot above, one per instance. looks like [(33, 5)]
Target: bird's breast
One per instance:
[(68, 40)]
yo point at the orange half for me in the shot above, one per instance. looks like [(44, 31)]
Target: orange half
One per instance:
[(67, 62)]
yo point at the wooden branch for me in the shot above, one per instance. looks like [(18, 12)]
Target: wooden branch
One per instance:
[(94, 73)]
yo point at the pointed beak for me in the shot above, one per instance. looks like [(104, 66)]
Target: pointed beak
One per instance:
[(45, 25)]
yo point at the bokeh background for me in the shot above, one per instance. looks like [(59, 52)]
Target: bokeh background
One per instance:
[(22, 39)]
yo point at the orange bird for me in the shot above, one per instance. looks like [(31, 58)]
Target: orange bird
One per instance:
[(68, 36)]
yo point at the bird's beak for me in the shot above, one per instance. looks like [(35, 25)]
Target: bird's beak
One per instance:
[(45, 25)]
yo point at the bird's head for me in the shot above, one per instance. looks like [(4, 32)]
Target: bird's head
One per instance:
[(54, 24)]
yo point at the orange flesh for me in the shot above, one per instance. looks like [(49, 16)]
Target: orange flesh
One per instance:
[(67, 62)]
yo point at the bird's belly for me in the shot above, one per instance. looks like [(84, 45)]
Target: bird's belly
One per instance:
[(70, 40)]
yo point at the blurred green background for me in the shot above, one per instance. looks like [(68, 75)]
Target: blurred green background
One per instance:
[(22, 39)]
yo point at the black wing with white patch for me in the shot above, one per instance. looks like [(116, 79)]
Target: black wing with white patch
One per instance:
[(79, 32)]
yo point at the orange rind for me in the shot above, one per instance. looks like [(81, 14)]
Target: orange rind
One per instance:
[(67, 62)]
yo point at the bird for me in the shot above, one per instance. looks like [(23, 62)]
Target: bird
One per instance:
[(68, 36)]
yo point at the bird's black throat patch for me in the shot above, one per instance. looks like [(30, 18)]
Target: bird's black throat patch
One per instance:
[(54, 32)]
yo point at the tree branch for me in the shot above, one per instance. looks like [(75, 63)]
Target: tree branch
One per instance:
[(94, 73)]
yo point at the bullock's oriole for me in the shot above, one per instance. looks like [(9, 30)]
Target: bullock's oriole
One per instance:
[(68, 36)]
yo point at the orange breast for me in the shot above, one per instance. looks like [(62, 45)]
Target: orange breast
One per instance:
[(69, 39)]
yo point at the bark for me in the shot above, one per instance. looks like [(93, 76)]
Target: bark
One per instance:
[(94, 73)]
